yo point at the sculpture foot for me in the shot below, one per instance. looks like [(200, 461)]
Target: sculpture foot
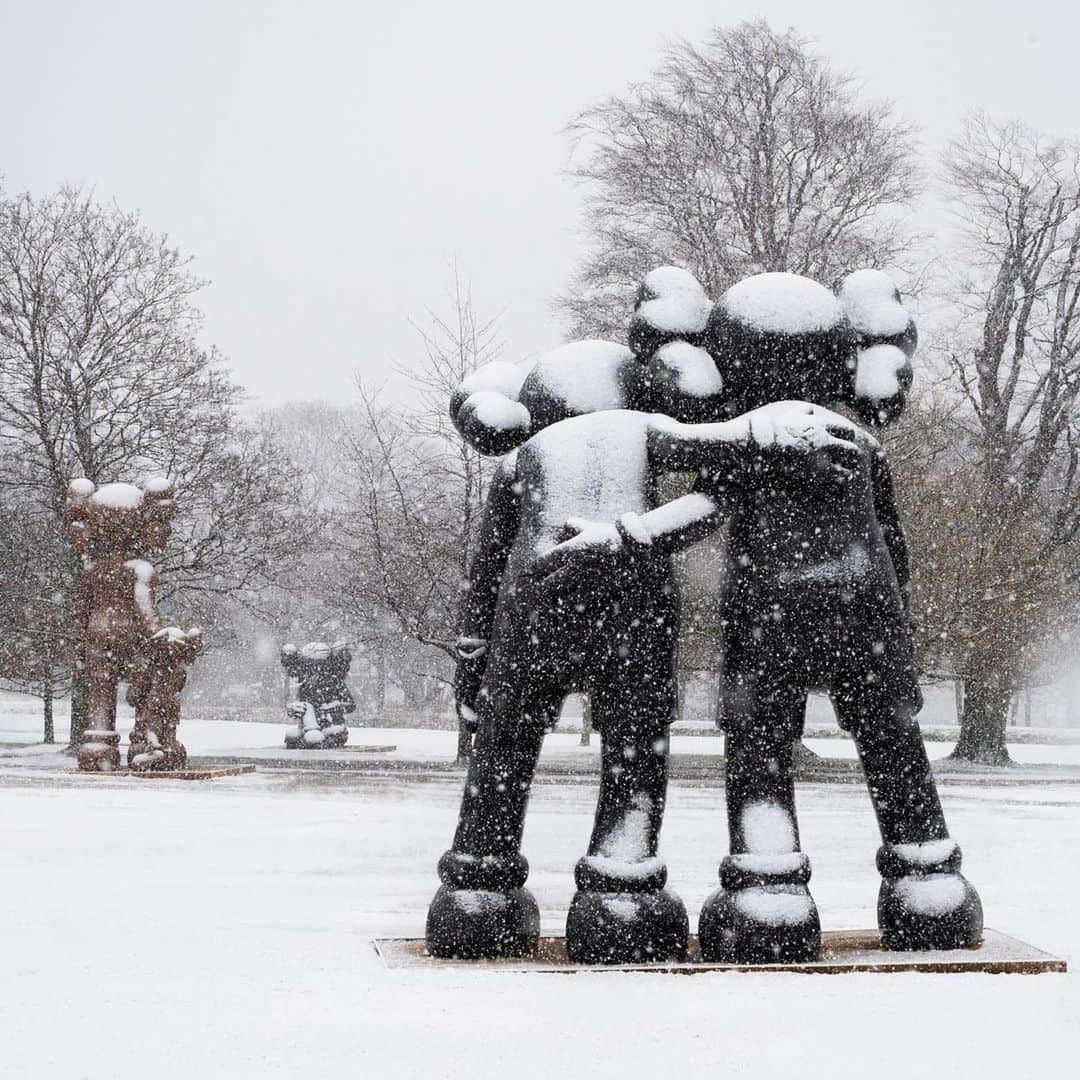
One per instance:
[(626, 927), (762, 913), (99, 752), (475, 924), (924, 901), (293, 739), (335, 736)]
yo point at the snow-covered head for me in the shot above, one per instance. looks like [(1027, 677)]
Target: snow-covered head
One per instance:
[(779, 336), (319, 664), (120, 518), (501, 405)]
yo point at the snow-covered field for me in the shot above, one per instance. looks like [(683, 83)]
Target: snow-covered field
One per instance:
[(162, 929)]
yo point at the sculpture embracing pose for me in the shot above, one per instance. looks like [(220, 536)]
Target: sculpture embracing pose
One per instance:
[(121, 634), (324, 696), (817, 598), (587, 452)]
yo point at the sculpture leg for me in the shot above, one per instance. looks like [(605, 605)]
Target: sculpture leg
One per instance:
[(924, 901), (763, 911), (100, 747), (482, 909), (621, 912)]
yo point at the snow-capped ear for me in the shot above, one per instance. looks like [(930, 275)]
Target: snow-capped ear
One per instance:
[(684, 383), (886, 340), (670, 304), (78, 510), (872, 304), (882, 380), (486, 411)]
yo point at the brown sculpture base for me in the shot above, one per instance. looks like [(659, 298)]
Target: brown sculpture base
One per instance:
[(209, 772), (843, 951)]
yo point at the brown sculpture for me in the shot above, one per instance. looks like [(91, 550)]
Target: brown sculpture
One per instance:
[(121, 635)]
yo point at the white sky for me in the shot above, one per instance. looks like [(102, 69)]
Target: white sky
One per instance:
[(325, 162)]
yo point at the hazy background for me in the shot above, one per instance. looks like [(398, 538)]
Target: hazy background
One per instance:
[(326, 162)]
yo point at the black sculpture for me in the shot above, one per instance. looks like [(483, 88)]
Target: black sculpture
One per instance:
[(817, 598), (323, 698), (527, 640)]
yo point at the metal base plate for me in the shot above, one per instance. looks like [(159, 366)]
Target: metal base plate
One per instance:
[(842, 951), (209, 772)]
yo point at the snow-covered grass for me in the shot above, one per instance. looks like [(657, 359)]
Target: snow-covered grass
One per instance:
[(223, 930)]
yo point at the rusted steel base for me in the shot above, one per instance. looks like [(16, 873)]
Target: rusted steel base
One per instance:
[(210, 772), (843, 951)]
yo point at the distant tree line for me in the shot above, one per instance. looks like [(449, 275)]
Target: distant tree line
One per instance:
[(746, 153)]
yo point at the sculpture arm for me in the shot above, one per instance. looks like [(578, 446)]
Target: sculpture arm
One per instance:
[(889, 519), (498, 529)]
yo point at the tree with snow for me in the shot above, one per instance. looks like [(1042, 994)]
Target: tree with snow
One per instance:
[(746, 154)]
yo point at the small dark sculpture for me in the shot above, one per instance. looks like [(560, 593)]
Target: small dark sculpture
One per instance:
[(324, 696), (526, 642), (817, 598), (121, 636)]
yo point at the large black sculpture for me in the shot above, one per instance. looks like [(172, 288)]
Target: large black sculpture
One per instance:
[(323, 698), (817, 598), (586, 451)]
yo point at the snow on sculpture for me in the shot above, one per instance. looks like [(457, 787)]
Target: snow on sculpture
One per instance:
[(588, 456), (121, 634), (816, 598), (323, 698)]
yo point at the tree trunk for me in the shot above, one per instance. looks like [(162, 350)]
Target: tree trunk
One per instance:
[(586, 720), (380, 679), (47, 707), (987, 696), (80, 707), (464, 745)]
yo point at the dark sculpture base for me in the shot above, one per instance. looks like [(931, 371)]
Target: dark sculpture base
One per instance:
[(626, 928), (842, 952), (761, 924), (475, 924), (931, 911)]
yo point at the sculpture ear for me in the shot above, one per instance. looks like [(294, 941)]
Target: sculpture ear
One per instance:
[(883, 377), (486, 411), (684, 383), (886, 338), (670, 305), (78, 512)]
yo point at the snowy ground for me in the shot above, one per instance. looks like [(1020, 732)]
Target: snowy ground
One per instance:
[(223, 930)]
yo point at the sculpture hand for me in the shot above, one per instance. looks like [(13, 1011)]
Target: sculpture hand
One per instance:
[(788, 427), (583, 545), (468, 677)]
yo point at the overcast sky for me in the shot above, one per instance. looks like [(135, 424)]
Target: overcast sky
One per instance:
[(325, 162)]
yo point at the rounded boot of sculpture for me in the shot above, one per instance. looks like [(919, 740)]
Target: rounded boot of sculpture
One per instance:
[(762, 913), (924, 901), (482, 910), (99, 751), (482, 924), (626, 927)]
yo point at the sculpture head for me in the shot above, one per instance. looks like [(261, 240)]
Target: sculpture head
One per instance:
[(120, 518), (321, 668), (501, 405), (781, 337)]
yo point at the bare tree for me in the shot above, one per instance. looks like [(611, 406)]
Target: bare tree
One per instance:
[(416, 490), (744, 155), (102, 376), (1009, 558)]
